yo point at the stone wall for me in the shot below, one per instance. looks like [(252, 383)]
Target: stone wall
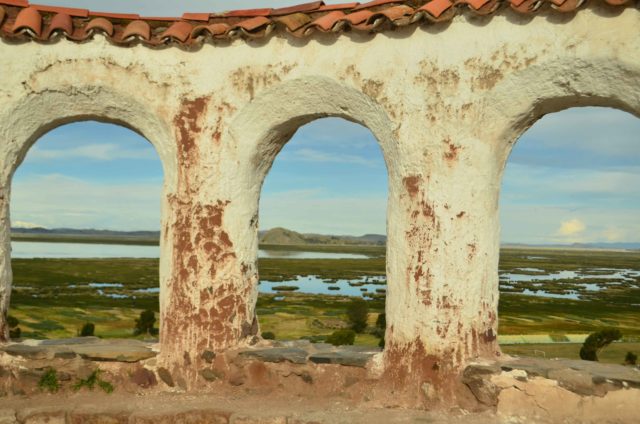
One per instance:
[(446, 104)]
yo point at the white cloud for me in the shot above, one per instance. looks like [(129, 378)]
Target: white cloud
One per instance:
[(61, 201), (99, 152), (313, 155), (25, 224), (572, 227)]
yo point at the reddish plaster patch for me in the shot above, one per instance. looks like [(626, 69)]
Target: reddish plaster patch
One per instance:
[(452, 154), (187, 123), (412, 184), (204, 310), (472, 250), (409, 366)]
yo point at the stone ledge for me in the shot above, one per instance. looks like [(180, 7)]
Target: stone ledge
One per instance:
[(303, 352), (585, 378), (91, 348)]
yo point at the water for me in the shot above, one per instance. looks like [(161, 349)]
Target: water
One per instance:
[(292, 254), (311, 284), (614, 274), (29, 249)]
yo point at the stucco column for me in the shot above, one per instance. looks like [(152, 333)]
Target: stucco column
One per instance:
[(442, 259), (205, 305), (5, 262)]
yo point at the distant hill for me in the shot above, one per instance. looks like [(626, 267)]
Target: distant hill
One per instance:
[(84, 232), (606, 246), (281, 236), (284, 236)]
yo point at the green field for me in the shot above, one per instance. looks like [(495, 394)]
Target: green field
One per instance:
[(52, 297)]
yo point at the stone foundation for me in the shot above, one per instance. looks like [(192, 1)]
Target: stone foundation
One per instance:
[(294, 380)]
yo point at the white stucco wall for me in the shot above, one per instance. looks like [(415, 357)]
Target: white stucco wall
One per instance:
[(446, 102)]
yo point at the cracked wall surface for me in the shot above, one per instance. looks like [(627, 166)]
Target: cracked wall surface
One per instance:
[(446, 104)]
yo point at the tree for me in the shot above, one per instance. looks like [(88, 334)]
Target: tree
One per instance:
[(341, 337), (631, 358), (598, 341), (87, 330), (381, 327), (14, 331), (268, 335), (358, 312), (144, 324)]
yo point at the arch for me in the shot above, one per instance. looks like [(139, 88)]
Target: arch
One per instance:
[(35, 114), (524, 97), (264, 126), (38, 113)]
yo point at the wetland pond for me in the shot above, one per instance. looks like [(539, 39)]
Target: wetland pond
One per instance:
[(29, 249), (582, 283)]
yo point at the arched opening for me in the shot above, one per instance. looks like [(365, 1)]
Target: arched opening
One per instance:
[(85, 218), (570, 259), (322, 237)]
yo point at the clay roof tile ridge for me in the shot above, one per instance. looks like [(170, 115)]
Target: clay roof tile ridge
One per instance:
[(60, 24), (29, 21), (137, 29)]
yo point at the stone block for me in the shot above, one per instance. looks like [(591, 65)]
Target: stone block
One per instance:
[(105, 417), (165, 376), (346, 358), (186, 417), (277, 354)]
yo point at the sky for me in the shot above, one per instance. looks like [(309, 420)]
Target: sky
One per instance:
[(573, 177)]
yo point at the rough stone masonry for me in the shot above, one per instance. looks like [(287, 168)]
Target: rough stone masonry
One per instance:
[(446, 102)]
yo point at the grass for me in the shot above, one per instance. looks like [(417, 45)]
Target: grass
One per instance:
[(613, 354), (52, 298)]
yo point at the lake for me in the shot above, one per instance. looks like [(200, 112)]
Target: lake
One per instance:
[(30, 249)]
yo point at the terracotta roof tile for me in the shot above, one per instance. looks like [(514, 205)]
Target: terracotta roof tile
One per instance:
[(475, 4), (108, 15), (19, 20), (343, 6), (525, 6), (359, 17), (78, 13), (375, 3), (60, 23), (327, 22), (566, 5), (437, 7), (305, 7), (215, 30), (203, 17), (253, 24), (294, 21), (100, 24), (178, 31), (395, 13), (248, 13), (17, 3), (137, 29), (28, 20)]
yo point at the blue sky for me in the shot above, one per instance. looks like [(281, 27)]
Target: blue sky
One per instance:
[(573, 177)]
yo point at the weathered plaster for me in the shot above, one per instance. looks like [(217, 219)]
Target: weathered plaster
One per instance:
[(445, 102)]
